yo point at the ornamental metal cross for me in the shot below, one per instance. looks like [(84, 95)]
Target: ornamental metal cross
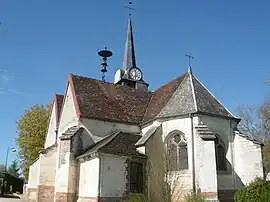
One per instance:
[(189, 58), (129, 7)]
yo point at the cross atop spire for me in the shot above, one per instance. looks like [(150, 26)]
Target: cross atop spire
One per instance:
[(190, 57), (129, 55)]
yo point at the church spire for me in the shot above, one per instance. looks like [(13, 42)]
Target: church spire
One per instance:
[(129, 55)]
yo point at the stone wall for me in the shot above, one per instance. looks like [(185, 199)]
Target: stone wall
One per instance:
[(31, 194), (64, 197), (45, 193)]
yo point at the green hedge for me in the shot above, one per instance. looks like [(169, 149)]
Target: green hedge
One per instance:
[(257, 191)]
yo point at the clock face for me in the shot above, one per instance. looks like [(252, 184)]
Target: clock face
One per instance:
[(135, 74), (117, 76)]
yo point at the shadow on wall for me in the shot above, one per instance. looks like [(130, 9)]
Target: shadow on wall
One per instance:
[(158, 188), (228, 183)]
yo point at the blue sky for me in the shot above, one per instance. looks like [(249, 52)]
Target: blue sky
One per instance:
[(42, 41)]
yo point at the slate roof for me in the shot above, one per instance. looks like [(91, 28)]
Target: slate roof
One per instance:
[(107, 101), (160, 98), (119, 143), (182, 96)]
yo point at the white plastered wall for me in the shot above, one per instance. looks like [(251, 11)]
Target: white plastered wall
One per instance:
[(154, 149), (112, 176), (98, 129), (248, 161), (89, 178), (33, 180), (223, 128), (51, 134), (48, 167), (68, 118)]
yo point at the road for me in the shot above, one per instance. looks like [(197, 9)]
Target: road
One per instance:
[(10, 199)]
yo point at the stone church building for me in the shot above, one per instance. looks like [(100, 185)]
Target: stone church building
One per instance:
[(107, 141)]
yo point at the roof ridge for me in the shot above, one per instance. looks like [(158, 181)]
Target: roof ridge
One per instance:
[(160, 97), (110, 83), (193, 92), (108, 139), (171, 81), (214, 97), (103, 142), (172, 96)]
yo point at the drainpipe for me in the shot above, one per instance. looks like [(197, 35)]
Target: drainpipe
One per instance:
[(193, 154), (99, 180)]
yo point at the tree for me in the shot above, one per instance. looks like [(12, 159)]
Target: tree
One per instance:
[(251, 123), (2, 168), (258, 190), (31, 128), (13, 169), (256, 122)]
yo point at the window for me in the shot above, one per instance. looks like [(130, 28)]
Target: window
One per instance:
[(177, 152), (220, 155), (136, 177)]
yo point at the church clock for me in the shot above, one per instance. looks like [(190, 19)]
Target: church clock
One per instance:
[(135, 74)]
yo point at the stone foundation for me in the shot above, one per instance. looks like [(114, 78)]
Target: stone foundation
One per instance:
[(226, 195), (64, 197), (212, 196), (45, 193), (31, 194), (88, 199)]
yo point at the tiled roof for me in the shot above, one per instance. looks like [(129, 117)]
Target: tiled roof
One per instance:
[(107, 101), (111, 102), (119, 143), (59, 102), (161, 97), (147, 136)]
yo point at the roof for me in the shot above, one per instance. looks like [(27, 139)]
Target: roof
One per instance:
[(120, 143), (184, 95), (129, 56), (107, 101), (161, 97), (147, 136), (59, 102)]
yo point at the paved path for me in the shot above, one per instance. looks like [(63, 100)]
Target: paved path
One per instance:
[(3, 199)]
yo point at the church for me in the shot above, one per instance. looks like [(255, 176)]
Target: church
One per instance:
[(107, 142)]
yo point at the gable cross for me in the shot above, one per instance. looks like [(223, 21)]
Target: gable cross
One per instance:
[(190, 57)]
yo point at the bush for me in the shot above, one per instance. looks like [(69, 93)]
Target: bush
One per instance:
[(258, 190), (194, 197), (136, 198)]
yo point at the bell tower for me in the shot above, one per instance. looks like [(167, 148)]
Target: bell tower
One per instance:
[(130, 74)]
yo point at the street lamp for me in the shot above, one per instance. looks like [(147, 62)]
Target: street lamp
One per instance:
[(9, 149), (12, 149)]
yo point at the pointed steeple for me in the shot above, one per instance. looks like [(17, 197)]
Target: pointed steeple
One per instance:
[(129, 55)]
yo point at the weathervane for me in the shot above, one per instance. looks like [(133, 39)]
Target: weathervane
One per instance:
[(129, 7), (189, 58)]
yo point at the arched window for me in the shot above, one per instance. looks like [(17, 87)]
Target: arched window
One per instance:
[(220, 154), (177, 152)]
